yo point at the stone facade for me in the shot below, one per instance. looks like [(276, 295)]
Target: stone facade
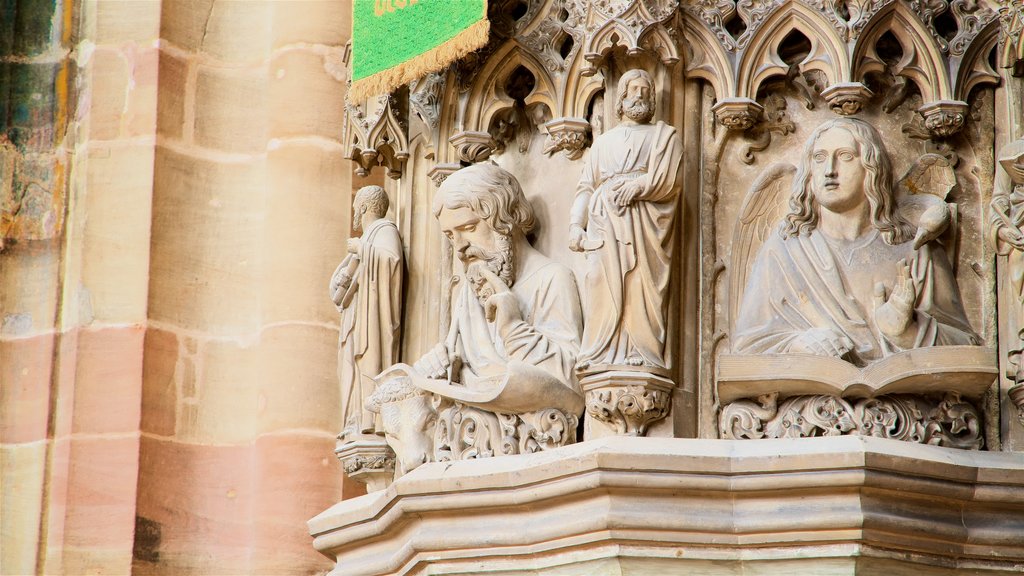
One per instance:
[(579, 386), (795, 229)]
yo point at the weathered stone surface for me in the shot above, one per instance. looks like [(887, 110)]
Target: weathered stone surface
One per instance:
[(26, 374), (228, 109), (304, 71), (108, 380), (119, 21), (22, 468), (311, 22), (159, 382), (171, 97)]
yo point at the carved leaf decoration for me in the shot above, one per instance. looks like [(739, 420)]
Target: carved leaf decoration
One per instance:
[(760, 214)]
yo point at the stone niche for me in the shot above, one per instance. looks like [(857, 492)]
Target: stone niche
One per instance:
[(713, 287)]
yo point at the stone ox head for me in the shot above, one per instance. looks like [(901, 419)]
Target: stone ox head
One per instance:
[(408, 416)]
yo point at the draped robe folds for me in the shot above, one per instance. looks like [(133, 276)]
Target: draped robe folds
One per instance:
[(547, 336), (627, 278), (808, 281), (1014, 281), (370, 323)]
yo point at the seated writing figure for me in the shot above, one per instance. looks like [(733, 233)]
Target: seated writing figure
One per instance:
[(502, 380)]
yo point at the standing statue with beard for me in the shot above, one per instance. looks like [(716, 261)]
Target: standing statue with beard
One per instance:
[(367, 290), (623, 218), (511, 346)]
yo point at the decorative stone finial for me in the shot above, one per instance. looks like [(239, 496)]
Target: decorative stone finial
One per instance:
[(846, 98), (737, 113)]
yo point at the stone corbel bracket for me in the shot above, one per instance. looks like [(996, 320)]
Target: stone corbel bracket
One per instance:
[(846, 98), (626, 402), (473, 146), (440, 172), (567, 135), (368, 459), (944, 118), (737, 113)]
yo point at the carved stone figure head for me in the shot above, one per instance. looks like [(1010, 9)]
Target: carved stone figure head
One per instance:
[(844, 164), (370, 204), (634, 96), (408, 416), (481, 210)]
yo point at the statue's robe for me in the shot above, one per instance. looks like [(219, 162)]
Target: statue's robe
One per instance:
[(370, 324), (811, 281), (627, 279), (547, 337), (1014, 276)]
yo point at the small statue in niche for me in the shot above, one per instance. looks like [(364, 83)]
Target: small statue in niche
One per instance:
[(841, 276), (623, 218), (367, 289), (1006, 227), (506, 366)]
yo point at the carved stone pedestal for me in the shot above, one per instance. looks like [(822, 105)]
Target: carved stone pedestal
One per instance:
[(624, 403), (368, 459)]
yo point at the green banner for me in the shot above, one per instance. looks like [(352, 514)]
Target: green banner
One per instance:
[(397, 41)]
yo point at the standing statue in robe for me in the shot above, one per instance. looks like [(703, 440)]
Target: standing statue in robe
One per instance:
[(623, 219), (841, 275), (367, 289), (1006, 226)]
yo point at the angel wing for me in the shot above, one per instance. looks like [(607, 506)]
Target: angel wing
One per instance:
[(760, 214)]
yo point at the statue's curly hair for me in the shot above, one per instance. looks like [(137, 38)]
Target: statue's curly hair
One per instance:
[(392, 390), (492, 193)]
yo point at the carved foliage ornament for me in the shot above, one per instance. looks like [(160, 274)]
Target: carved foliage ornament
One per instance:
[(628, 409), (952, 422), (467, 433)]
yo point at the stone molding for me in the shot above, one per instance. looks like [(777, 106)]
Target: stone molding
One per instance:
[(782, 506)]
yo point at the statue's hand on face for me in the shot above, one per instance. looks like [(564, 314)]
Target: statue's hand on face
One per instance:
[(822, 342), (501, 307), (893, 315)]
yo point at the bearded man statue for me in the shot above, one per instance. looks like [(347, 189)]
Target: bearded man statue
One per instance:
[(514, 334), (623, 219)]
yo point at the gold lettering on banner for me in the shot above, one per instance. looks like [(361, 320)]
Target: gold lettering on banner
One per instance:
[(381, 7)]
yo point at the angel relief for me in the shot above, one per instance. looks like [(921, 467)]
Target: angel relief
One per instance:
[(837, 320), (846, 273)]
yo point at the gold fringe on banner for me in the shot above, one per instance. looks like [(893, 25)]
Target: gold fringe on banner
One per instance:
[(435, 59)]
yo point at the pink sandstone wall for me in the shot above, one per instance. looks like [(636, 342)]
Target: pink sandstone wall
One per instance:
[(168, 399)]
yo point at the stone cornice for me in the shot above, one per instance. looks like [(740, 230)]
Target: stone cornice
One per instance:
[(749, 502)]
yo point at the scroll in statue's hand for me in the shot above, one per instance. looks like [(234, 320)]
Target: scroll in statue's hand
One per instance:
[(501, 306), (894, 315), (822, 342)]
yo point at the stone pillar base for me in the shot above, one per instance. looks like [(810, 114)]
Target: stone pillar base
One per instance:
[(624, 403), (367, 458)]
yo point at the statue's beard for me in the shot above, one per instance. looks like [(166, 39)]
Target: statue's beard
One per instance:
[(637, 109), (500, 262), (357, 221)]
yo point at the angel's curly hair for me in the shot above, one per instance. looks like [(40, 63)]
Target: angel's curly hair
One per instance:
[(803, 215)]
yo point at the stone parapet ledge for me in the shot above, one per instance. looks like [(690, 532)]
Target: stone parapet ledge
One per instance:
[(621, 505)]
